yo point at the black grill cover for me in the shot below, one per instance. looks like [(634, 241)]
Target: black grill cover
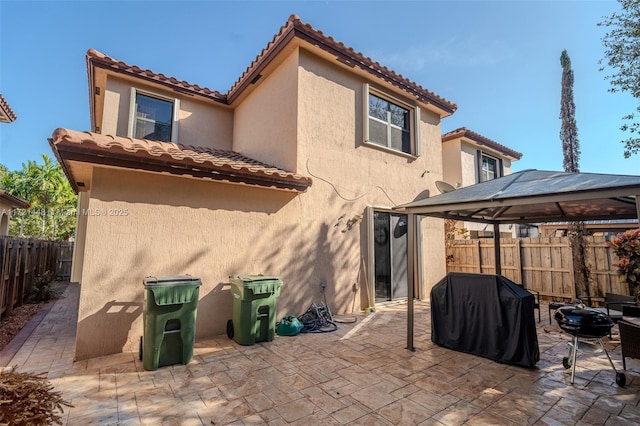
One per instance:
[(485, 315)]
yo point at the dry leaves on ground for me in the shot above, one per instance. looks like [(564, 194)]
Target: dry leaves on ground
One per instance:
[(29, 399)]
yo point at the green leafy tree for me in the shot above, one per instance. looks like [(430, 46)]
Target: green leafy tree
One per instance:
[(53, 203), (571, 153), (622, 57)]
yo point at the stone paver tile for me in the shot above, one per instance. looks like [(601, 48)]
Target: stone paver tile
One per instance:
[(130, 422), (487, 418), (575, 409), (405, 391), (404, 411), (372, 419), (323, 400), (224, 412), (432, 402), (127, 409), (457, 413), (373, 397), (295, 410), (279, 397), (631, 413), (259, 402), (348, 414), (359, 376), (594, 416), (269, 415), (317, 418)]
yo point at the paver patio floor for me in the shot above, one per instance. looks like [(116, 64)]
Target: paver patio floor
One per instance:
[(360, 374)]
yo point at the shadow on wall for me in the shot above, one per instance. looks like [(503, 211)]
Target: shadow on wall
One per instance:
[(117, 326), (217, 305), (113, 321), (323, 252)]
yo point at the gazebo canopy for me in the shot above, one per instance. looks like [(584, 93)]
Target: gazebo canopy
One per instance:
[(534, 196), (529, 196)]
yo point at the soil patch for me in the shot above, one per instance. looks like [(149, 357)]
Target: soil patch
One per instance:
[(11, 325)]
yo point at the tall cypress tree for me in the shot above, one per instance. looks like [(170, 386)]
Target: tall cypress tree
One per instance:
[(569, 129), (571, 153)]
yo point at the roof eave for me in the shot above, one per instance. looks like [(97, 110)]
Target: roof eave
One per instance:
[(13, 200), (126, 160)]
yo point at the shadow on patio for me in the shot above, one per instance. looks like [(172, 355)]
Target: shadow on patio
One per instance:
[(360, 374)]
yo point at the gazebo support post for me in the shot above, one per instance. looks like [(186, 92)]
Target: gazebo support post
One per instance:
[(496, 248), (411, 252)]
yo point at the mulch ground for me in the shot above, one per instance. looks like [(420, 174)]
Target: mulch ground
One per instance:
[(11, 325)]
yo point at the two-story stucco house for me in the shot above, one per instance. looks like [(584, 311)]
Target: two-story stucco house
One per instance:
[(469, 158), (291, 173)]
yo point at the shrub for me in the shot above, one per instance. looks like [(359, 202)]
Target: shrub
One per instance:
[(626, 245)]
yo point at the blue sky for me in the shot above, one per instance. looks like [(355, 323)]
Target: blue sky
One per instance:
[(499, 61)]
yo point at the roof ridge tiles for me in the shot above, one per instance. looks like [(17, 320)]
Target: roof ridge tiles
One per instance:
[(111, 63), (297, 28), (483, 140)]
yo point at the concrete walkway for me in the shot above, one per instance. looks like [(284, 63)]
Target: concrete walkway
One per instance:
[(360, 374)]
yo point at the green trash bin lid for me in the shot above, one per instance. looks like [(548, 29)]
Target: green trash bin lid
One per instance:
[(171, 280), (172, 289), (258, 284)]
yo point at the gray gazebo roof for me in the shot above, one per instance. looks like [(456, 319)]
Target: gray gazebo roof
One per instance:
[(535, 196), (530, 196)]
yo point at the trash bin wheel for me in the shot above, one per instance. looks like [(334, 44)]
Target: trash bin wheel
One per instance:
[(565, 363), (621, 379), (140, 350), (230, 329)]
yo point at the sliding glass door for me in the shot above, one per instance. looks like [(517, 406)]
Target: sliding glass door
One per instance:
[(390, 255)]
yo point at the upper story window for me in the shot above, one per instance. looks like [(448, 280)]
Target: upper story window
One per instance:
[(153, 117), (390, 123), (489, 167)]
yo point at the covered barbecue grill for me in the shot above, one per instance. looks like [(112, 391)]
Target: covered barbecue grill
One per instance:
[(588, 327), (485, 315)]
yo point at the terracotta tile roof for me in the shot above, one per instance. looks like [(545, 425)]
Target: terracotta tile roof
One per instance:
[(480, 140), (13, 200), (293, 28), (101, 60), (200, 162), (6, 113)]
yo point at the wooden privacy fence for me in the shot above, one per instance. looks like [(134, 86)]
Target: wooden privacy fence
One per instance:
[(541, 264), (21, 261)]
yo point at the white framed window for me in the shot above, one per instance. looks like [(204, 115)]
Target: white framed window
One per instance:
[(153, 116), (390, 123), (489, 167)]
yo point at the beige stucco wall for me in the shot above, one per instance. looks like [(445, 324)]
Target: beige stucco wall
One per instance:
[(80, 236), (306, 117), (201, 123), (348, 175), (5, 216), (208, 230), (265, 122), (451, 161), (468, 176)]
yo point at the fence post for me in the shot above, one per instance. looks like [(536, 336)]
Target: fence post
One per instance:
[(517, 258)]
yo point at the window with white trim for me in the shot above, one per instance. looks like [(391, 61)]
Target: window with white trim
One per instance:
[(390, 123), (489, 168), (153, 117)]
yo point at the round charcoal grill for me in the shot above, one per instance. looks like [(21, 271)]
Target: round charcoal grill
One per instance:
[(586, 326), (583, 322)]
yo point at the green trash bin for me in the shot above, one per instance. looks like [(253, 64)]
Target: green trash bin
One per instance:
[(169, 318), (254, 308)]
